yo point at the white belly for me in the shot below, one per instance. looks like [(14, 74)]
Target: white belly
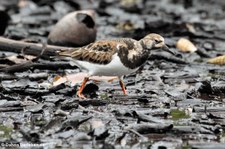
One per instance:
[(114, 68)]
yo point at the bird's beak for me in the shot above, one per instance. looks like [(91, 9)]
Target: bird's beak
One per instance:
[(165, 48)]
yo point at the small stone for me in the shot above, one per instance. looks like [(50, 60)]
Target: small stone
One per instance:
[(75, 29)]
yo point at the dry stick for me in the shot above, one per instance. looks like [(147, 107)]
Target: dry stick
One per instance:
[(26, 65), (35, 49), (39, 50), (17, 67), (43, 65)]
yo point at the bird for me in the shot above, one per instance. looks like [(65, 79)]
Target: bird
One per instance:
[(114, 57)]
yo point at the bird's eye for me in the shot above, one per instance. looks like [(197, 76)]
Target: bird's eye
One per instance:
[(157, 41)]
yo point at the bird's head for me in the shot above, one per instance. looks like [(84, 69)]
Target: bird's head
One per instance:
[(155, 41)]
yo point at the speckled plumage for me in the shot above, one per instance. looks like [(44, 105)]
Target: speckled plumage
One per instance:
[(130, 51)]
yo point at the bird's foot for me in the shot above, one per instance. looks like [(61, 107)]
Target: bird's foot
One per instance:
[(125, 92), (79, 92), (80, 95)]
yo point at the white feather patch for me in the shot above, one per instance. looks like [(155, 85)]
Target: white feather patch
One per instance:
[(114, 68)]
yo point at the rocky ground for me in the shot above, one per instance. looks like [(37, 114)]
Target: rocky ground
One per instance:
[(173, 102)]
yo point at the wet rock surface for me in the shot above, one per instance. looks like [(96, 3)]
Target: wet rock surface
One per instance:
[(173, 102)]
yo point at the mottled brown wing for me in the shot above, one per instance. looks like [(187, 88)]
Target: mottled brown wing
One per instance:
[(99, 52)]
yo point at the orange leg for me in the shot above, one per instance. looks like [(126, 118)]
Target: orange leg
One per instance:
[(123, 87), (79, 92)]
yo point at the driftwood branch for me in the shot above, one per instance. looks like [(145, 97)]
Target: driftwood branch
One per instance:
[(46, 52), (35, 49), (33, 65)]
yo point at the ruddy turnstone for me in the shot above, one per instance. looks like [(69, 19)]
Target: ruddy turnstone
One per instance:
[(117, 57)]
